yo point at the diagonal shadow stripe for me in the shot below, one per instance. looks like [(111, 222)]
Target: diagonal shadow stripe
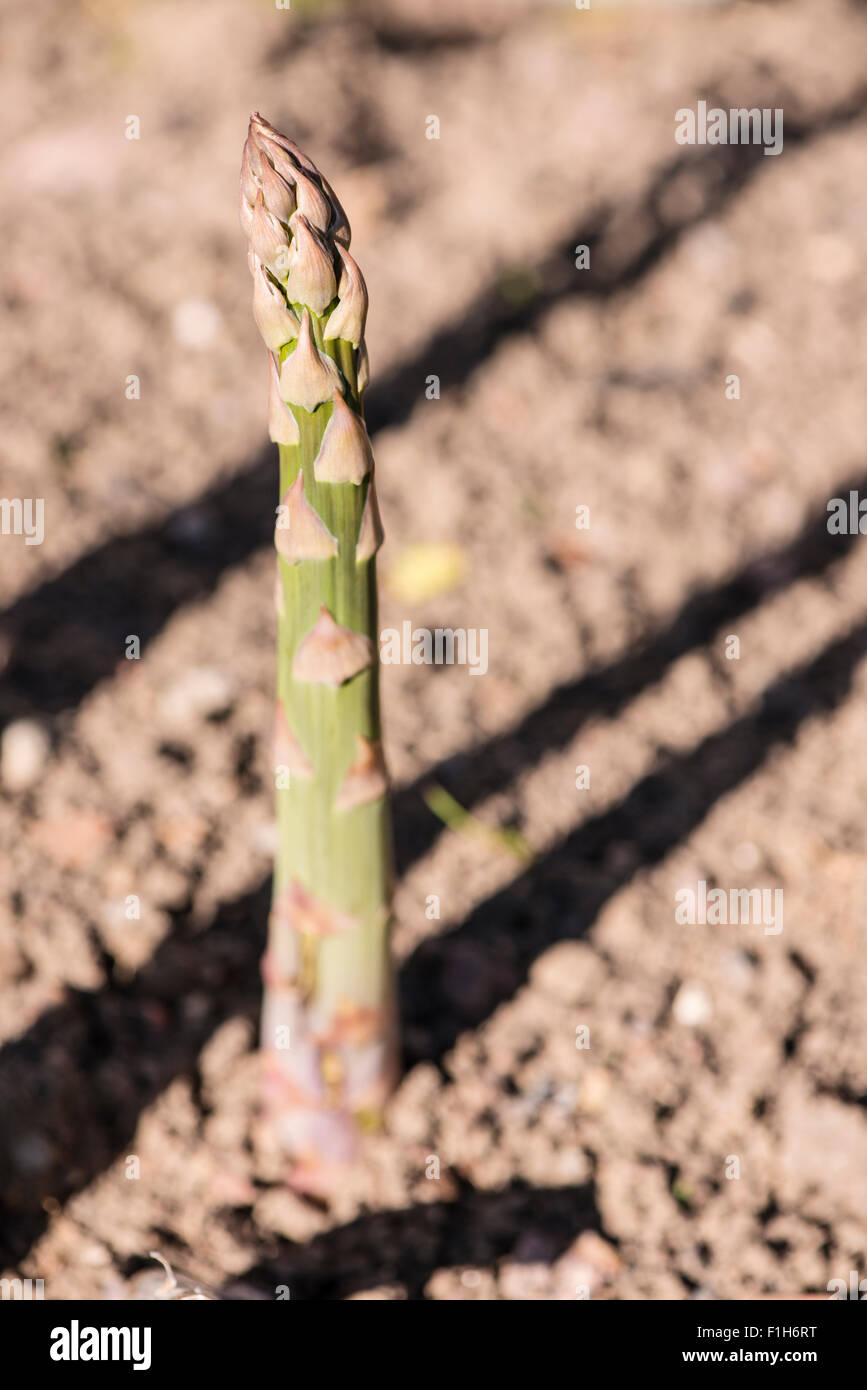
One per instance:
[(453, 982), (73, 1087), (66, 635), (407, 1246), (492, 766), (625, 242)]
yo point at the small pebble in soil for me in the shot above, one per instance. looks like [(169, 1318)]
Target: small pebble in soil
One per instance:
[(594, 1090), (586, 1267), (263, 838), (196, 323), (203, 692), (692, 1006), (23, 754)]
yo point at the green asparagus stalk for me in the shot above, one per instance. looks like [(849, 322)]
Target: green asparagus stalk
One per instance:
[(328, 1029)]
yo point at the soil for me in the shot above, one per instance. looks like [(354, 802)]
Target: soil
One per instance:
[(596, 1096)]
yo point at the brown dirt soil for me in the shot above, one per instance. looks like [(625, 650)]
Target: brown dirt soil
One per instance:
[(128, 1073)]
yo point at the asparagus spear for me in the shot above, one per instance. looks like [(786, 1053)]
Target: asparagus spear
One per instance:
[(328, 1032)]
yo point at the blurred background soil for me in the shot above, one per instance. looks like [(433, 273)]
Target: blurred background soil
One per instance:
[(128, 1074)]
